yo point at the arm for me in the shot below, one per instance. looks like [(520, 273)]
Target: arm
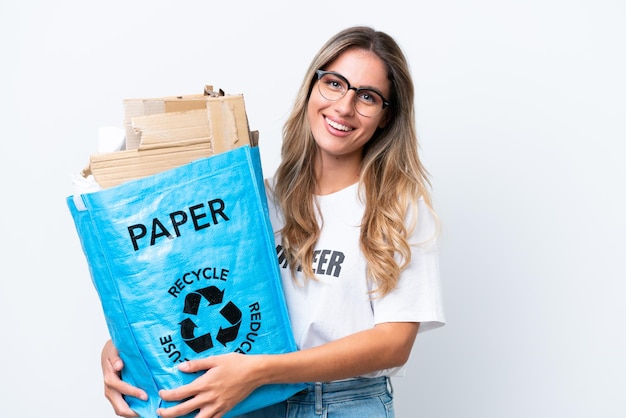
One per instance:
[(382, 347), (114, 387), (231, 377)]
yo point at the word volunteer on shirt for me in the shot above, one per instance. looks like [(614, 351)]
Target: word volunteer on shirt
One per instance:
[(325, 262)]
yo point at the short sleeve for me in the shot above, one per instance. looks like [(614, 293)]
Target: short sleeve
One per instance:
[(418, 295)]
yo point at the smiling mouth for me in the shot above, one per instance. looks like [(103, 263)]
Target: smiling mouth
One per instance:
[(338, 126)]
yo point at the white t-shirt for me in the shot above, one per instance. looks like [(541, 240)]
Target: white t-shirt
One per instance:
[(338, 304)]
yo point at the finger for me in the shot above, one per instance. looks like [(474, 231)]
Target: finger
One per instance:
[(179, 410), (121, 408), (111, 358), (115, 395), (192, 366), (114, 365), (178, 394), (114, 383), (206, 413), (117, 364), (124, 388), (119, 404)]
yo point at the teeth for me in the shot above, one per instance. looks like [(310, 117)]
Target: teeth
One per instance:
[(338, 126)]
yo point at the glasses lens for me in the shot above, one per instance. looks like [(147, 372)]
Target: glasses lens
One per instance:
[(368, 102), (333, 87)]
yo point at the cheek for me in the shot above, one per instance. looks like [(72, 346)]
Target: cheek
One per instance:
[(310, 108), (313, 109), (315, 102)]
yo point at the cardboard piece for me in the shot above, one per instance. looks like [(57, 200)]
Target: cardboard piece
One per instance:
[(149, 106), (171, 132)]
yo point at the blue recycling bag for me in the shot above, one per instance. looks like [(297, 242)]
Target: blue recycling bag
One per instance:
[(184, 263)]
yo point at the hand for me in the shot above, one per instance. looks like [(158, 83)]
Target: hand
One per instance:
[(228, 379), (114, 387)]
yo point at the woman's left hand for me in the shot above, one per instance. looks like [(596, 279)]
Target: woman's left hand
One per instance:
[(228, 379)]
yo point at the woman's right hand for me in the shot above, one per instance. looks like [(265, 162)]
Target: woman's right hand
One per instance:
[(114, 387)]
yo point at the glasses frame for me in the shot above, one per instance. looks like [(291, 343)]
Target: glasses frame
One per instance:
[(322, 73)]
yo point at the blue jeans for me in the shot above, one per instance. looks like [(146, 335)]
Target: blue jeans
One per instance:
[(357, 398)]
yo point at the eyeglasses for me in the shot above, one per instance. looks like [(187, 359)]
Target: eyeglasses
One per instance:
[(333, 86)]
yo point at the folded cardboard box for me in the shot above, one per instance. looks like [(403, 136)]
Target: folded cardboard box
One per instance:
[(172, 131)]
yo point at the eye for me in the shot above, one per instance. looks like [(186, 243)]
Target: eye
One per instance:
[(369, 97), (333, 82)]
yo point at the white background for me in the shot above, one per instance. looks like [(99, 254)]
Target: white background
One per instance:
[(521, 114)]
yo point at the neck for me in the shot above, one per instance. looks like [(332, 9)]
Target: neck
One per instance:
[(336, 173)]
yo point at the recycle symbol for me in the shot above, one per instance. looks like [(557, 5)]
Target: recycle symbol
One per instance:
[(230, 312)]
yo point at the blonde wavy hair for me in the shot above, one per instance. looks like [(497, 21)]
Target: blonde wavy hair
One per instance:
[(392, 177)]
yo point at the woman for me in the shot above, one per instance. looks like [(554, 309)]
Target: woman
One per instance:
[(357, 238)]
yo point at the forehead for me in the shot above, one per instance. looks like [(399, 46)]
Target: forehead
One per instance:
[(362, 68)]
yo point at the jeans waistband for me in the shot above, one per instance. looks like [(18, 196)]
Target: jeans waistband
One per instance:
[(319, 392)]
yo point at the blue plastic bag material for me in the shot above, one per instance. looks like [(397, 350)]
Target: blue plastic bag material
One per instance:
[(184, 263)]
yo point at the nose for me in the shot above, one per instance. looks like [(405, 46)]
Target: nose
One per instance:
[(345, 104)]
